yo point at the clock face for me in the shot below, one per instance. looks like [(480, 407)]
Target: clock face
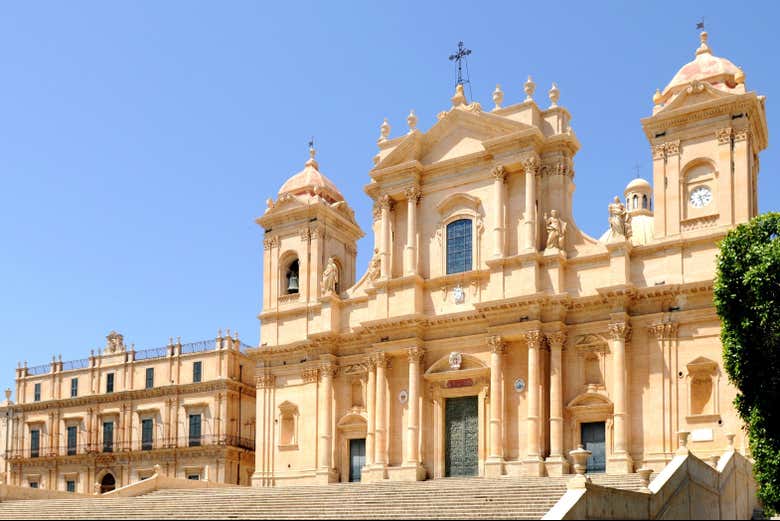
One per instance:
[(701, 197)]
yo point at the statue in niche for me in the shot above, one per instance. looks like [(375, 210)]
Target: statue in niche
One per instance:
[(619, 220), (556, 231), (330, 277), (375, 266)]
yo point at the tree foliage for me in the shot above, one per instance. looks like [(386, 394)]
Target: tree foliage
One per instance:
[(747, 299)]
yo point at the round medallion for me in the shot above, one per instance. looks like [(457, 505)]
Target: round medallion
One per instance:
[(403, 396), (700, 197), (519, 385)]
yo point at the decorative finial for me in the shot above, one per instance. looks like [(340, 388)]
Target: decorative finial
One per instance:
[(657, 97), (703, 48), (460, 57), (498, 97), (384, 130), (219, 333), (529, 88), (312, 153), (555, 95), (411, 120), (460, 97), (739, 77), (8, 394)]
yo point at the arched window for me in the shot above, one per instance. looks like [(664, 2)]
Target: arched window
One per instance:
[(644, 202), (292, 277), (459, 246), (636, 202)]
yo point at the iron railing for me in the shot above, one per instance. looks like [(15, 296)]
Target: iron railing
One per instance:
[(38, 370), (184, 443), (75, 364)]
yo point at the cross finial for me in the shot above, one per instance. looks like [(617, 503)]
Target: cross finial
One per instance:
[(700, 24), (636, 169), (312, 152), (460, 57)]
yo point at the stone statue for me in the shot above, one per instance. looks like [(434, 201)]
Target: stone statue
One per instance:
[(375, 266), (330, 277), (556, 231), (619, 219), (115, 343)]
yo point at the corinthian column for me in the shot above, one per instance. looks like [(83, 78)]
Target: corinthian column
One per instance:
[(556, 463), (412, 198), (499, 201), (385, 204), (534, 466), (620, 461), (380, 437), (531, 166), (494, 466), (327, 373), (414, 471), (371, 412)]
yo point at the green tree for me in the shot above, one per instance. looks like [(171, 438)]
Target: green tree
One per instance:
[(747, 299)]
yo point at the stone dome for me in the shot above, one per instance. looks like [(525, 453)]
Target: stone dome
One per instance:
[(312, 182), (719, 72)]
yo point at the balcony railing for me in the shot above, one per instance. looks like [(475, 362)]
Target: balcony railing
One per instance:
[(183, 442)]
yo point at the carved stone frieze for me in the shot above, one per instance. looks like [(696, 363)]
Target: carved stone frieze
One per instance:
[(265, 381), (310, 375)]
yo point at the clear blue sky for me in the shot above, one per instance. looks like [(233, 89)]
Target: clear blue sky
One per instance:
[(139, 140)]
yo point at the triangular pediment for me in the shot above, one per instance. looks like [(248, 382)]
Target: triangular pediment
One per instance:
[(459, 132), (694, 94)]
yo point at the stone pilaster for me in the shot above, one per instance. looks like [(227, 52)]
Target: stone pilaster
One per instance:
[(499, 202), (412, 469), (412, 199), (533, 463), (494, 466), (620, 461), (556, 463)]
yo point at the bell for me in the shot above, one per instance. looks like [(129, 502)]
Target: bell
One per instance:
[(292, 285)]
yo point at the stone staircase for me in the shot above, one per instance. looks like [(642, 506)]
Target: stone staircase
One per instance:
[(453, 498)]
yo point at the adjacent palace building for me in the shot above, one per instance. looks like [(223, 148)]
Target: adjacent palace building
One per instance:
[(103, 422), (488, 335)]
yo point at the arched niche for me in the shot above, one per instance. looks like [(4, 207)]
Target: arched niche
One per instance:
[(703, 381), (288, 426)]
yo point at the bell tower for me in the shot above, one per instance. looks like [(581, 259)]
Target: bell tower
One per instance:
[(309, 227), (706, 133)]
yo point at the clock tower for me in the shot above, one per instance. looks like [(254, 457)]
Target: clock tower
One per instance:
[(706, 133)]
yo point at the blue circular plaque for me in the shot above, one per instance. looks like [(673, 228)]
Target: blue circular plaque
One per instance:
[(519, 385)]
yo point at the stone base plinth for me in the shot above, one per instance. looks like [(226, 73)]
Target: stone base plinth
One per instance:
[(327, 476), (373, 474), (410, 472), (533, 466), (620, 464), (556, 466), (494, 467)]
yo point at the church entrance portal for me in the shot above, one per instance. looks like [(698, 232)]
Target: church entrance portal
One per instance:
[(108, 483), (462, 436), (593, 439), (357, 458)]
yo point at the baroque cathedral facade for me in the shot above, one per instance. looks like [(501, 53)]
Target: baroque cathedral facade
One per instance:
[(489, 335)]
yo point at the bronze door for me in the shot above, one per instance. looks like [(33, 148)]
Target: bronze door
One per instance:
[(462, 435)]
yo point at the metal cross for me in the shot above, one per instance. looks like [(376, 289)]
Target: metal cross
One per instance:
[(700, 25), (636, 169), (459, 57)]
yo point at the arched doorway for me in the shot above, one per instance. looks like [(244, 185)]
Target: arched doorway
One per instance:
[(108, 483)]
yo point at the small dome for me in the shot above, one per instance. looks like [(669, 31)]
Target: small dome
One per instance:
[(718, 72), (311, 181), (638, 185)]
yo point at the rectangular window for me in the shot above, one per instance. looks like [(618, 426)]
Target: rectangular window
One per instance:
[(150, 377), (459, 246), (194, 430), (35, 443), (73, 433), (108, 436), (110, 383), (37, 393), (33, 484), (193, 477), (74, 387), (70, 486), (147, 434), (197, 372)]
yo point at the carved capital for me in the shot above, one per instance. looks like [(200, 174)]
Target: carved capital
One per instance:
[(265, 381), (377, 212), (305, 234), (531, 165), (619, 331), (498, 172), (416, 354), (496, 344), (413, 194), (672, 148), (328, 371), (659, 151), (556, 339), (664, 330), (741, 134), (318, 232), (533, 338), (380, 360), (310, 375), (385, 202), (724, 135), (270, 242)]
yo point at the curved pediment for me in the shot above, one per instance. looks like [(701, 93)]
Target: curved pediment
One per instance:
[(450, 367), (590, 399), (459, 200)]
